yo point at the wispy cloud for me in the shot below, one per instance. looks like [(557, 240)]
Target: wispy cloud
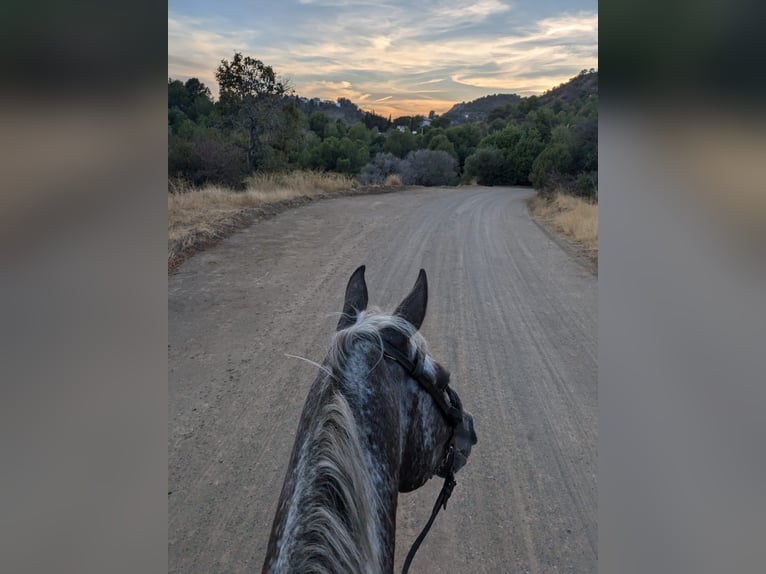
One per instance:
[(404, 59), (197, 45), (462, 12)]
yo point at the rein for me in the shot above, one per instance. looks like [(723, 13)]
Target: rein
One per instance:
[(454, 416)]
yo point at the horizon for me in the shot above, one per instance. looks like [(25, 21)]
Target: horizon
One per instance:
[(389, 57)]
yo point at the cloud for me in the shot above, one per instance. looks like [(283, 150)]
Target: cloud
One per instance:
[(583, 25), (434, 81), (470, 12), (428, 55), (196, 46)]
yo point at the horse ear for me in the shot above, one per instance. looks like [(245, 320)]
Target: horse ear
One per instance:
[(355, 300), (413, 308)]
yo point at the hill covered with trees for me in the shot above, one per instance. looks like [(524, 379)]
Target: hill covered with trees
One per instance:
[(477, 110), (259, 124)]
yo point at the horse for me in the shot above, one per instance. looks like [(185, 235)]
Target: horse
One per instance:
[(379, 419)]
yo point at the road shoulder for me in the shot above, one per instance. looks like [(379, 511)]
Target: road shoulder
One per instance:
[(572, 248)]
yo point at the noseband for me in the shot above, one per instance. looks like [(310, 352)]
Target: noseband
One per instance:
[(452, 410)]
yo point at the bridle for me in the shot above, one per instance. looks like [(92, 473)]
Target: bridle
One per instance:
[(452, 410)]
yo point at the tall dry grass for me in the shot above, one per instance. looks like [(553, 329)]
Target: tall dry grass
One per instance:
[(198, 217), (573, 216)]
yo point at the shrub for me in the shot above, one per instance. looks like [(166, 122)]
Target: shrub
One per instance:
[(428, 167), (441, 142), (489, 166), (393, 180), (586, 185), (380, 168), (552, 168), (207, 159)]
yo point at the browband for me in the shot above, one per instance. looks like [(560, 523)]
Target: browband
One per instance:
[(416, 370)]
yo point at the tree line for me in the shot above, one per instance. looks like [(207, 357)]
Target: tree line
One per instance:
[(258, 124)]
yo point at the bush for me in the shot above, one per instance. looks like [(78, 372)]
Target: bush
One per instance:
[(341, 155), (380, 168), (586, 185), (393, 180), (428, 167), (489, 166), (207, 159), (440, 142), (552, 168), (399, 143), (421, 167)]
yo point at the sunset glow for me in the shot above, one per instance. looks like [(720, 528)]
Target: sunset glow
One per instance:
[(392, 57)]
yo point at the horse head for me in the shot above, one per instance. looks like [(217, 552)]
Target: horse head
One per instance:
[(438, 432), (380, 419)]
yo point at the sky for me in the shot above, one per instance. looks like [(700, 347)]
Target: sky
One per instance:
[(394, 57)]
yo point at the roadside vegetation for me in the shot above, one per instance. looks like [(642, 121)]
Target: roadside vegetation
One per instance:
[(261, 144), (259, 125), (200, 216), (574, 217)]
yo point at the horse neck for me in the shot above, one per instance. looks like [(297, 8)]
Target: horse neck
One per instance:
[(337, 511)]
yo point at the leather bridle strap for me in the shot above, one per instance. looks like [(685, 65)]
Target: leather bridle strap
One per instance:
[(415, 369), (452, 411), (441, 502)]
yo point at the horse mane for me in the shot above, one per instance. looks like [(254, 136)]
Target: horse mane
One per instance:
[(367, 328), (336, 496), (339, 506)]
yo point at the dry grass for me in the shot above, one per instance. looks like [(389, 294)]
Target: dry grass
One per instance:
[(393, 180), (574, 217), (309, 182), (199, 217)]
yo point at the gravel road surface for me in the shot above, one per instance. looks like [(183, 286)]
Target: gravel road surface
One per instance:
[(511, 315)]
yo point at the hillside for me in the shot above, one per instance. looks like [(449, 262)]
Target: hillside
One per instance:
[(503, 106), (581, 86), (341, 109), (477, 110)]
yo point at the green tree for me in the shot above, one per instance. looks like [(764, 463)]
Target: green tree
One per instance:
[(359, 133), (466, 139), (342, 155), (543, 120), (308, 154), (317, 122), (504, 140), (372, 120), (441, 122), (251, 92), (551, 167), (523, 155), (399, 143), (177, 94), (192, 98), (175, 119), (489, 166), (496, 125), (431, 133), (441, 142)]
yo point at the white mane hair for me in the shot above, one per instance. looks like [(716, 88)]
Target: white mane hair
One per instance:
[(335, 493), (367, 328), (337, 499)]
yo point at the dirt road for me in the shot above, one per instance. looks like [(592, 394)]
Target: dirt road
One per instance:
[(510, 314)]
